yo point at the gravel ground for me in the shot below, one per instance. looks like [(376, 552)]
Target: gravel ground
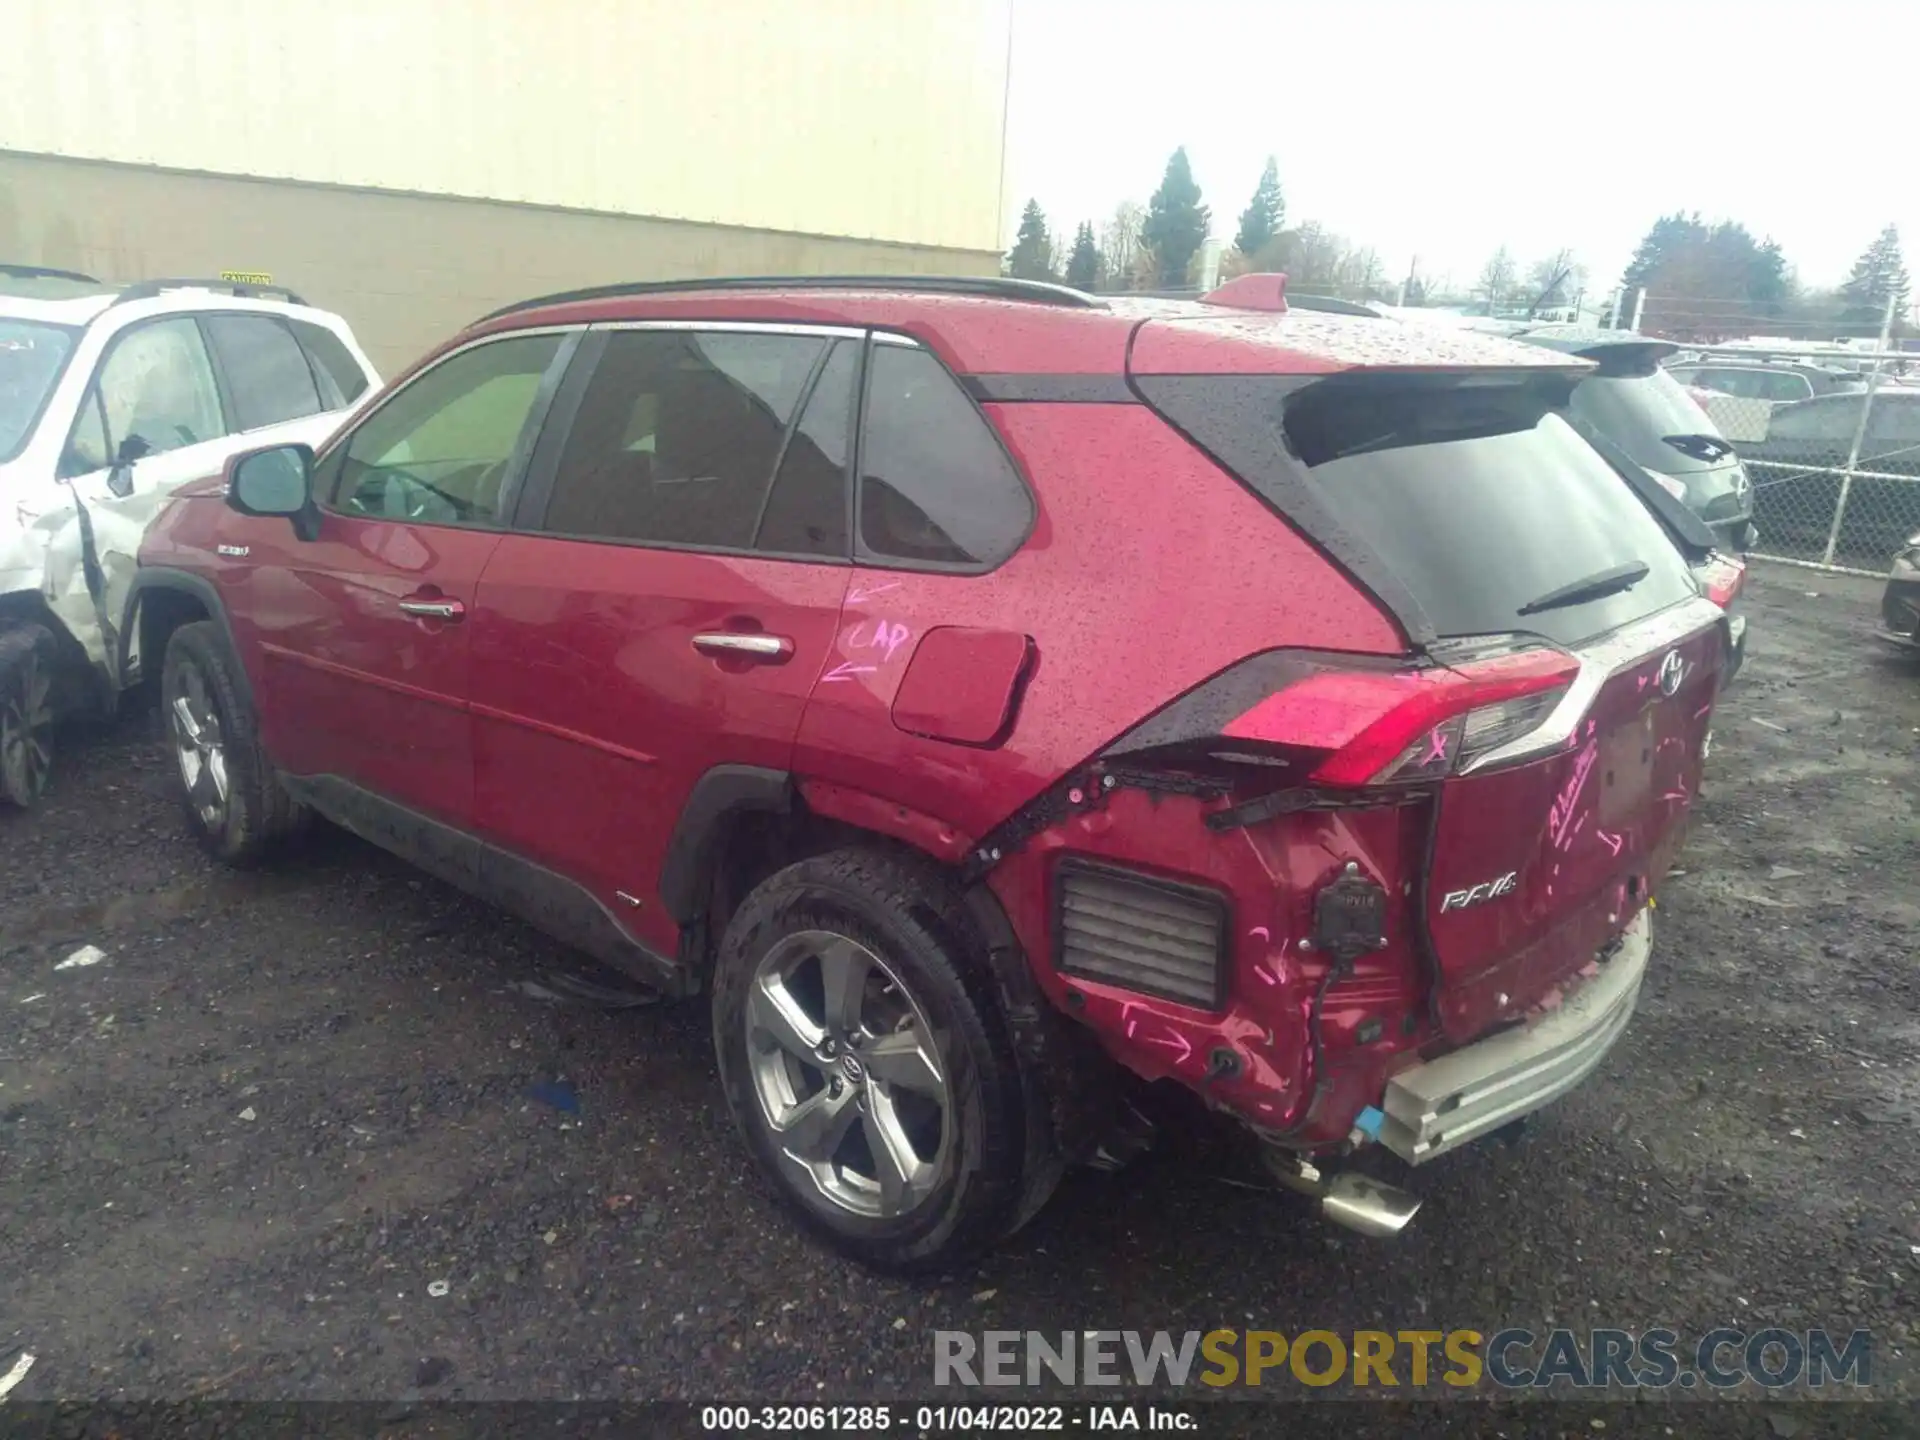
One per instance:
[(278, 1143)]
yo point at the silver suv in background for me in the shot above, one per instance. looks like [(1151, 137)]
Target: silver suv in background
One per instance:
[(111, 398), (1642, 408)]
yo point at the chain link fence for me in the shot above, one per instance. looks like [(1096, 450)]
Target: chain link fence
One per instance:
[(1830, 440)]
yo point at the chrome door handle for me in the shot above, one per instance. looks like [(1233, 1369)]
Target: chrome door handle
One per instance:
[(434, 609), (744, 645)]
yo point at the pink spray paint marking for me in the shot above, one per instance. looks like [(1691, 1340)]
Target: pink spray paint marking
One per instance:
[(1260, 932), (1560, 817), (860, 594), (845, 670), (1174, 1041), (887, 635), (1612, 841), (1436, 746)]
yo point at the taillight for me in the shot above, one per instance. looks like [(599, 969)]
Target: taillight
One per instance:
[(1724, 578), (1400, 727)]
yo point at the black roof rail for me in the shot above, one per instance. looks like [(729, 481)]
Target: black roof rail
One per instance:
[(147, 289), (44, 272), (996, 287)]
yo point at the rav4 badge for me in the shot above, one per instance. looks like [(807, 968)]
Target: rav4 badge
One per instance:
[(1481, 893)]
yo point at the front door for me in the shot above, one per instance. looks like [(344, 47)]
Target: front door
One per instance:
[(363, 632), (669, 607)]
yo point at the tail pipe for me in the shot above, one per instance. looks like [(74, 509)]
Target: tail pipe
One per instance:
[(1346, 1197)]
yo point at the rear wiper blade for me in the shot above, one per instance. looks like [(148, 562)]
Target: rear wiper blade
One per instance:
[(1596, 586)]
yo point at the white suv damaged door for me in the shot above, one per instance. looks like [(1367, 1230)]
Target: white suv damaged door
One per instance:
[(148, 406)]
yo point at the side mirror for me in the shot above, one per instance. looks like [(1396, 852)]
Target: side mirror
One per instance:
[(120, 476), (277, 481)]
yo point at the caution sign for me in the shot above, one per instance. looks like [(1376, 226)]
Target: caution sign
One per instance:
[(246, 277)]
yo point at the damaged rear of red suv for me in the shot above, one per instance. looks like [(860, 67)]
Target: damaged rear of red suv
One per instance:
[(1291, 706)]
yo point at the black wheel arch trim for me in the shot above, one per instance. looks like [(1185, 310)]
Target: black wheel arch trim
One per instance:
[(720, 795), (164, 578)]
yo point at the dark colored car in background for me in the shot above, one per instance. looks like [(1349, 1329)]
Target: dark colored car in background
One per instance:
[(1647, 413), (1900, 605), (1796, 470)]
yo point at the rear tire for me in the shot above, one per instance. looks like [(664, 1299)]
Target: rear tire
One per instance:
[(232, 797), (28, 655), (887, 1111)]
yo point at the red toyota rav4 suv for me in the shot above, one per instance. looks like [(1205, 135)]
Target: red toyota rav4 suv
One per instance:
[(972, 684)]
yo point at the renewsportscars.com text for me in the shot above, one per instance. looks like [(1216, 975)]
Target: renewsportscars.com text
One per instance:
[(1508, 1359)]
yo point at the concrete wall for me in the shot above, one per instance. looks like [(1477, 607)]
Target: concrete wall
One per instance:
[(405, 269), (876, 119)]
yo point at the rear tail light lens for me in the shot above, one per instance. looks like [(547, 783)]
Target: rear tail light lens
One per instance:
[(1409, 726), (1724, 578)]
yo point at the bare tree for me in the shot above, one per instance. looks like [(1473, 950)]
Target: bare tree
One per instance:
[(1554, 281), (1497, 277), (1120, 239)]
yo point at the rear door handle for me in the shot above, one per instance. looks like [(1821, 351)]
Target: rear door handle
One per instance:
[(434, 609), (744, 645)]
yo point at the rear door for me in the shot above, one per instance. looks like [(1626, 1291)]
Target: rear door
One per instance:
[(1469, 504), (363, 632), (668, 597)]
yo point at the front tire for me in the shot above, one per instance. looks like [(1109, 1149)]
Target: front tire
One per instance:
[(867, 1063), (27, 658), (232, 798)]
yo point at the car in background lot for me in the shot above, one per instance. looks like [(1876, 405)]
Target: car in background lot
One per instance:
[(111, 397), (1775, 383), (1638, 405), (1797, 468), (1900, 604), (983, 692)]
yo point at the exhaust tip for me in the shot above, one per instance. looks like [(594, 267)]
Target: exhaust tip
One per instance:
[(1365, 1205)]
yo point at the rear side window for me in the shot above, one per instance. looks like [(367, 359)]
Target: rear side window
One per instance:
[(338, 374), (806, 511), (1477, 497), (935, 486), (267, 375), (678, 435)]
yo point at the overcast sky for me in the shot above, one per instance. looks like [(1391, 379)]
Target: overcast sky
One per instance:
[(1446, 129)]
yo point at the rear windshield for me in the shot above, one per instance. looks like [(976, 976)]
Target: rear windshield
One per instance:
[(31, 359), (1477, 499), (1643, 414)]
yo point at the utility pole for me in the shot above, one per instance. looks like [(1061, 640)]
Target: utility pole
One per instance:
[(1619, 302), (1407, 284), (1639, 308)]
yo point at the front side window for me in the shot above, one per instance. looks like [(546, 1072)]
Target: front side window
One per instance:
[(677, 437), (267, 375), (32, 356), (438, 452), (157, 387), (935, 486)]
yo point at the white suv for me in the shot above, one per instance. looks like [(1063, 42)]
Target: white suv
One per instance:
[(112, 398)]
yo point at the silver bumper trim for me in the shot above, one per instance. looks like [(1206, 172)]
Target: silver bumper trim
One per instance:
[(1443, 1104)]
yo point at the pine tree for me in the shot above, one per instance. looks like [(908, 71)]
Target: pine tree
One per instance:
[(1176, 225), (1083, 265), (1670, 235), (1032, 255), (1879, 275), (1261, 220)]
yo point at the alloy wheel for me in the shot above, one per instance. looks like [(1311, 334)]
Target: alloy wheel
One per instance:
[(848, 1076), (199, 747), (26, 732)]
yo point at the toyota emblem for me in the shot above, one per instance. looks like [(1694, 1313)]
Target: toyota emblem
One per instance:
[(1672, 671)]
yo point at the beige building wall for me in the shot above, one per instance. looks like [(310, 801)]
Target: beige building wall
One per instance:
[(412, 163), (405, 270)]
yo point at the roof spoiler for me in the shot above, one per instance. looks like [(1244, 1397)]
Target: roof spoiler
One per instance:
[(1260, 291)]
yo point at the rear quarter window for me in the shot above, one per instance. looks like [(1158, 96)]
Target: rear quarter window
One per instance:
[(1473, 497), (338, 374)]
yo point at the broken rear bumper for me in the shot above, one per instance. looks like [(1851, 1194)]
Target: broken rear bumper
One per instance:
[(1445, 1103)]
